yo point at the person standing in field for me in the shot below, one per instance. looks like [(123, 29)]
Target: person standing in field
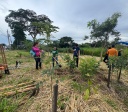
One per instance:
[(37, 56), (112, 51), (106, 55), (76, 54), (120, 52), (54, 56)]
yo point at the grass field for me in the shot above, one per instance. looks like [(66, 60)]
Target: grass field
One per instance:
[(71, 93)]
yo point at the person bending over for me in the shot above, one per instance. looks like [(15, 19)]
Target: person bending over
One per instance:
[(54, 56)]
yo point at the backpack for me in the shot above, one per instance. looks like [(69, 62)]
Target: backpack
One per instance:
[(32, 53)]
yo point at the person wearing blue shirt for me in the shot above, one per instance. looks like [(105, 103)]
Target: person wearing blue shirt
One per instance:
[(76, 54)]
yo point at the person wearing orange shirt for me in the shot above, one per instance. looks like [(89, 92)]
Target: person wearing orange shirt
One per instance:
[(112, 51)]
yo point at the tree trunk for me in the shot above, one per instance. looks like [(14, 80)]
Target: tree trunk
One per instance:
[(101, 54), (104, 45), (34, 38), (119, 74)]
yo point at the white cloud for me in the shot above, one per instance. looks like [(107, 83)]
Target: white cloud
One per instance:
[(71, 16)]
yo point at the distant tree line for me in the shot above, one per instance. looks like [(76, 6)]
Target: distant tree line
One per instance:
[(23, 22)]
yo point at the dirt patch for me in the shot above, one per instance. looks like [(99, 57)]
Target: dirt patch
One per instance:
[(65, 71)]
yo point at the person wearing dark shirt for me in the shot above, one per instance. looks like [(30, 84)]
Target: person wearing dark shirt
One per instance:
[(76, 54), (106, 56), (120, 52)]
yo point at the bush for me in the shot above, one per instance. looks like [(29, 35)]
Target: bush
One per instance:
[(7, 105), (88, 66), (70, 62), (65, 50), (83, 51), (60, 50), (91, 51)]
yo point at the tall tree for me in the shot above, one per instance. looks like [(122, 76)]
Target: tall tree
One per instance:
[(66, 41), (86, 37), (18, 35), (116, 40), (45, 29), (104, 30), (25, 19)]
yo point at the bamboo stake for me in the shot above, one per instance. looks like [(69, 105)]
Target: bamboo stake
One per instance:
[(54, 100), (19, 85), (17, 91)]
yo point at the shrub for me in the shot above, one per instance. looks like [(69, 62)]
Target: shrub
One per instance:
[(70, 62), (88, 66), (91, 51)]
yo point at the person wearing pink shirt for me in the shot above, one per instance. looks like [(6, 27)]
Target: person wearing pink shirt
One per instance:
[(37, 51)]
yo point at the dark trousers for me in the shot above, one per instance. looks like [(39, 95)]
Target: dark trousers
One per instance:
[(38, 62), (54, 59), (105, 58), (76, 58)]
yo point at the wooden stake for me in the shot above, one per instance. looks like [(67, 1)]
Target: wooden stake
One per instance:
[(54, 101)]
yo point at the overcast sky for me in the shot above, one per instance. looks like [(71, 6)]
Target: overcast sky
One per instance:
[(71, 16)]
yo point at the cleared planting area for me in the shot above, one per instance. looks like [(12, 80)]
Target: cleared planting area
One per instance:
[(72, 92)]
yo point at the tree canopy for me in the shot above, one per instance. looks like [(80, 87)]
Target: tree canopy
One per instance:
[(29, 21), (19, 36), (66, 41), (102, 31)]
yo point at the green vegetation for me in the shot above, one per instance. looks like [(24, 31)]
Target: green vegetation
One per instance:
[(126, 101), (70, 62), (111, 103), (61, 101), (8, 105), (84, 82), (88, 67), (78, 87), (91, 51)]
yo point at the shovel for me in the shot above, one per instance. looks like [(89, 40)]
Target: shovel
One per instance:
[(57, 63)]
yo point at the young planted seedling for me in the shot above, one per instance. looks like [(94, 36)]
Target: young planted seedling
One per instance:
[(70, 62)]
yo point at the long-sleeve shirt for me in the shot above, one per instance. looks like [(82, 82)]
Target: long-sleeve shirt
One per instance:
[(36, 50)]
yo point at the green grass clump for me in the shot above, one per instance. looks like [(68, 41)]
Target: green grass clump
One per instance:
[(7, 105), (111, 103)]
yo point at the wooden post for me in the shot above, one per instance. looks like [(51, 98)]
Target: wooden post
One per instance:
[(119, 74), (4, 59), (54, 101)]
